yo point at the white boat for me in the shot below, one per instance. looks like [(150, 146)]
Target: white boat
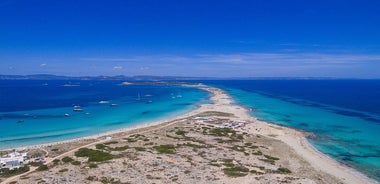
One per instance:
[(77, 110), (67, 115), (104, 102), (113, 105)]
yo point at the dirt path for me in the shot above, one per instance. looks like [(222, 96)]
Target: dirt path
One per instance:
[(49, 160)]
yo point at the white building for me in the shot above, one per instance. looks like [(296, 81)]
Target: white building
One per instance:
[(14, 160)]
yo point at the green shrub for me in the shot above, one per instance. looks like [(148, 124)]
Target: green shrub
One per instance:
[(180, 132), (283, 170), (140, 149), (100, 146), (67, 159), (7, 173), (111, 142), (222, 131), (35, 164), (42, 168), (256, 172), (237, 171), (76, 162), (215, 113), (168, 149), (194, 145), (92, 165), (56, 161), (122, 148), (91, 178), (131, 140), (257, 153), (93, 155), (271, 158), (63, 170)]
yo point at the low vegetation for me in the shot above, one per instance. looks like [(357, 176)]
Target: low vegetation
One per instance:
[(67, 159), (140, 149), (236, 171), (42, 168), (271, 158), (93, 155), (111, 142), (108, 148), (168, 148), (76, 162), (180, 132), (121, 148), (222, 131), (5, 172), (92, 165), (91, 178), (283, 170), (56, 161), (214, 113), (63, 170)]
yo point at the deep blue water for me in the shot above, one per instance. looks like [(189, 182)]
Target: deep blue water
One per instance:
[(344, 115), (33, 112)]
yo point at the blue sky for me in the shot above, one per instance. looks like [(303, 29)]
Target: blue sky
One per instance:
[(216, 38)]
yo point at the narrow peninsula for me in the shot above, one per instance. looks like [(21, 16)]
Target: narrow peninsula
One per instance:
[(216, 143)]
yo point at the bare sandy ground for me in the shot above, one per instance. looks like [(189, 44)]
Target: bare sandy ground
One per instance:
[(202, 152)]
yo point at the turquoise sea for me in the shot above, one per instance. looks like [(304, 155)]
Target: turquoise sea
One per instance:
[(343, 115), (34, 112)]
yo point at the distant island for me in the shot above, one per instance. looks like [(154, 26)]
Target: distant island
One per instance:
[(148, 78)]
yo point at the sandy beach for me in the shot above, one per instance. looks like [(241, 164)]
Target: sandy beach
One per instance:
[(200, 147)]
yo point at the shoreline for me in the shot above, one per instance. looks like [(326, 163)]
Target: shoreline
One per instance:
[(179, 115), (224, 103), (97, 136)]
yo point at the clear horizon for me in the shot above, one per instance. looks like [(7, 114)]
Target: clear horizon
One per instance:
[(338, 39)]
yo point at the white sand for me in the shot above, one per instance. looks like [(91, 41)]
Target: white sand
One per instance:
[(224, 103)]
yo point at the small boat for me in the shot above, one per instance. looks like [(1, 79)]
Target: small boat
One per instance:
[(113, 105), (103, 102), (67, 115), (77, 110), (70, 85)]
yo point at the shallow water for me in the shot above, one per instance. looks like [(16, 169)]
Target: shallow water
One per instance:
[(346, 134), (26, 120)]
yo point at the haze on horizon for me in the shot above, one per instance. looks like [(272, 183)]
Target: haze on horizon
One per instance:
[(191, 38)]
